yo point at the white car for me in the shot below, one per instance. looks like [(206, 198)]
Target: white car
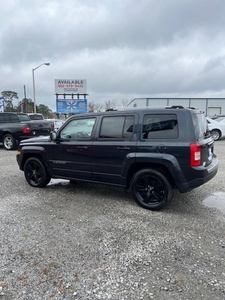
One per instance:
[(220, 119), (217, 128), (57, 123)]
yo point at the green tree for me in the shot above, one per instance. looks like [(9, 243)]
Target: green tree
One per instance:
[(27, 105), (9, 96), (44, 110)]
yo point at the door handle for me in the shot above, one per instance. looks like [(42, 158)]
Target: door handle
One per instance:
[(123, 148), (82, 147)]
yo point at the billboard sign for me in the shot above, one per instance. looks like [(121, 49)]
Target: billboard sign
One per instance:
[(70, 86), (71, 106), (1, 104)]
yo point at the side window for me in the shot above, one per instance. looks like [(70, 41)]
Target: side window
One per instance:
[(117, 127), (78, 129), (160, 127), (2, 118), (7, 118), (128, 127), (14, 118)]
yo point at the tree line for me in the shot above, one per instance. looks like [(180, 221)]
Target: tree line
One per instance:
[(27, 105)]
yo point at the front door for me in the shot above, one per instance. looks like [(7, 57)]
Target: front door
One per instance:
[(70, 156)]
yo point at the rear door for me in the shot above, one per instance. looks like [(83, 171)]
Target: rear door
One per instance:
[(114, 145)]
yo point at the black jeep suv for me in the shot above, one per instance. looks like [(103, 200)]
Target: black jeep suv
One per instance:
[(151, 151)]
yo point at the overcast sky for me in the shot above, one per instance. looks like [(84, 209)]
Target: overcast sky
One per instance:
[(123, 48)]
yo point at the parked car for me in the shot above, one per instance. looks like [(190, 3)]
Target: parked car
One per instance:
[(35, 116), (15, 127), (150, 151), (57, 123), (214, 117), (217, 128), (220, 119)]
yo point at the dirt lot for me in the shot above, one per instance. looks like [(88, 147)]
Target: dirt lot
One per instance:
[(87, 241)]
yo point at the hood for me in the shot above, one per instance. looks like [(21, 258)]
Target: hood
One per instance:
[(36, 140)]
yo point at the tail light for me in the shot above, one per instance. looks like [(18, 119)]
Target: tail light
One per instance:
[(52, 126), (195, 155), (26, 130)]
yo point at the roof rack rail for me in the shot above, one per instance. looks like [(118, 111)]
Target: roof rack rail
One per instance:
[(175, 106)]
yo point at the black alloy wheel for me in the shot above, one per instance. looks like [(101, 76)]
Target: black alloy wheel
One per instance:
[(35, 172), (151, 189)]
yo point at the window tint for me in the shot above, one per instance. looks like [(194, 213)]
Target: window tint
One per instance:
[(36, 117), (1, 118), (78, 129), (128, 127), (14, 118), (200, 124), (23, 117), (7, 118), (160, 127), (117, 127)]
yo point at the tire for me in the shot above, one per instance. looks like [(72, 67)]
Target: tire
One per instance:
[(216, 134), (9, 143), (36, 173), (151, 189)]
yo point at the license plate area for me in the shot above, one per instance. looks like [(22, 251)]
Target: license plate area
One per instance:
[(210, 154)]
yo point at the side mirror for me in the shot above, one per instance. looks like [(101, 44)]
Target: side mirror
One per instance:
[(53, 135)]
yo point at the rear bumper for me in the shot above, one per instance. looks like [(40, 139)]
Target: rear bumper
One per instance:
[(201, 175)]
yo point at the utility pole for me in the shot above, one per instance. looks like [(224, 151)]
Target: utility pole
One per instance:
[(25, 97)]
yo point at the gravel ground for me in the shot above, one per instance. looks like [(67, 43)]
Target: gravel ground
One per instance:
[(88, 241)]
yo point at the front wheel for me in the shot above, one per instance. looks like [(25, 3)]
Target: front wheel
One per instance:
[(9, 143), (36, 173), (151, 189)]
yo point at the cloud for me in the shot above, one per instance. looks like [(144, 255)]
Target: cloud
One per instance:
[(123, 48)]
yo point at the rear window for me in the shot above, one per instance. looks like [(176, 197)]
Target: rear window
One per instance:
[(8, 118), (160, 127), (14, 118), (200, 125), (36, 117), (23, 117)]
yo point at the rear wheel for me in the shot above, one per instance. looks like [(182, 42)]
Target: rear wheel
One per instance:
[(216, 134), (151, 189), (36, 173), (9, 143)]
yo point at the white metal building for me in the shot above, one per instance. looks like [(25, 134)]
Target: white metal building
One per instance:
[(210, 106)]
